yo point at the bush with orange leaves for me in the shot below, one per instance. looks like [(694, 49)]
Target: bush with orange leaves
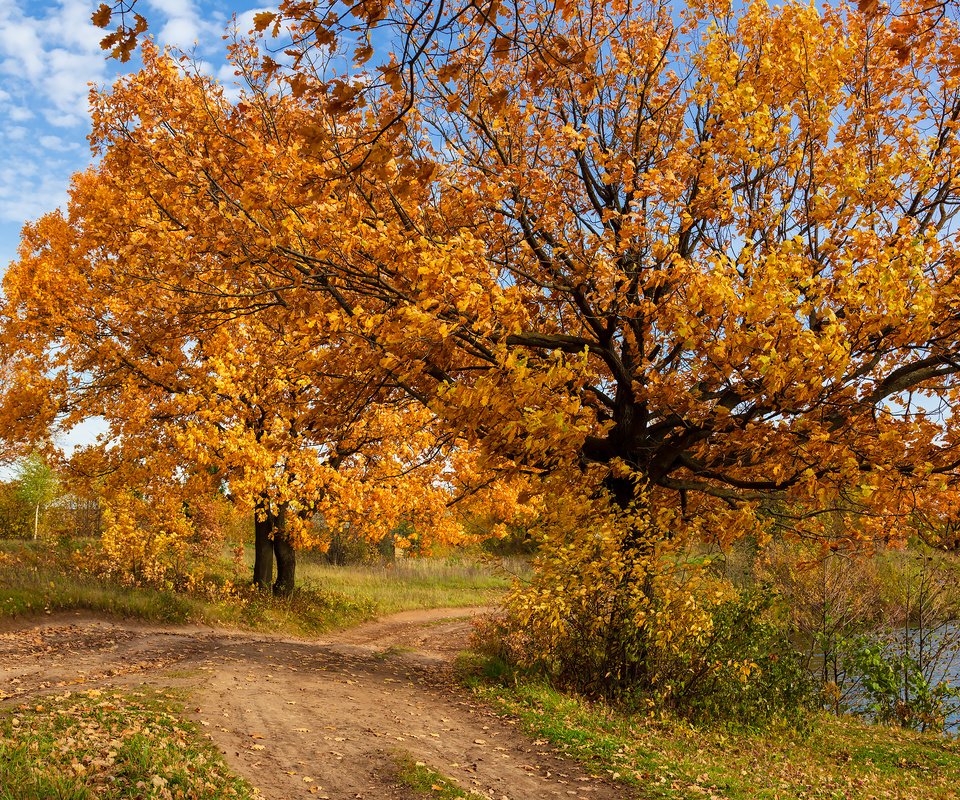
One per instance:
[(615, 609), (161, 542)]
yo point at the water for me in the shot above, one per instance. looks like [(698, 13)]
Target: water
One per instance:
[(939, 660)]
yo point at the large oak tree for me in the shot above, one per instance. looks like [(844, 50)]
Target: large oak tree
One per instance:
[(711, 253), (130, 308)]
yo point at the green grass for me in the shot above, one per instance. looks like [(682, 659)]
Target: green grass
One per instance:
[(667, 759), (36, 590), (33, 582), (109, 746), (427, 782), (37, 578)]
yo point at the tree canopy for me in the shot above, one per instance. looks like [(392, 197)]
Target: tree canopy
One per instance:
[(206, 382), (703, 258)]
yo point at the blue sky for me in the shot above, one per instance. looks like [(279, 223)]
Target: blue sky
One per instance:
[(49, 54)]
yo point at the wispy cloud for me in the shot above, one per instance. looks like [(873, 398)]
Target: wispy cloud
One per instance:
[(183, 26), (49, 56)]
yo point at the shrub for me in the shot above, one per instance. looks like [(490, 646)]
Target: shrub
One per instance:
[(616, 611), (746, 670), (831, 598), (895, 688), (156, 542), (15, 516)]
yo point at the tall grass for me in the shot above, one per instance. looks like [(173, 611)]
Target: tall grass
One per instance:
[(41, 577), (411, 583)]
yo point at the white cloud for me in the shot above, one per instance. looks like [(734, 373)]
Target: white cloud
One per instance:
[(46, 192), (228, 79), (227, 73), (184, 26), (174, 8), (49, 55), (182, 32), (19, 113), (76, 28), (68, 83), (58, 143), (52, 51), (20, 42), (63, 120)]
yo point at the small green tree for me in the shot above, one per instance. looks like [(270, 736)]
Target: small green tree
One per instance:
[(37, 486)]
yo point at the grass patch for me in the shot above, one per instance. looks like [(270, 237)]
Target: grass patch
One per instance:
[(34, 591), (42, 579), (412, 583), (37, 577), (428, 782), (110, 746), (308, 612), (669, 759)]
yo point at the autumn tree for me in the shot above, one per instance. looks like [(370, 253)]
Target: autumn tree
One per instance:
[(693, 271), (201, 409), (710, 253), (707, 252), (132, 309)]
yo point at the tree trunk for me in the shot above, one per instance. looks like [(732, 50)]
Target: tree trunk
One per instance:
[(272, 542), (264, 532), (622, 490), (286, 558), (626, 653)]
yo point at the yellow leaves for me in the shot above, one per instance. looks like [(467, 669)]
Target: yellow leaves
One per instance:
[(500, 48), (299, 85), (449, 71), (606, 576), (496, 101), (362, 54), (122, 41), (135, 548), (343, 96), (577, 138), (392, 75), (371, 11)]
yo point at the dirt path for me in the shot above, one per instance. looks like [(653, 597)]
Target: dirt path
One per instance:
[(326, 718)]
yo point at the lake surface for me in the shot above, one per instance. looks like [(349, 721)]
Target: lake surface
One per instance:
[(941, 657)]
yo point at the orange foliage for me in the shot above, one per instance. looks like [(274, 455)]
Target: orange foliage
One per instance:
[(711, 253), (141, 307)]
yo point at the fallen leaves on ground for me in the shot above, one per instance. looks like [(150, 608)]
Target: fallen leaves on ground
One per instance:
[(110, 746)]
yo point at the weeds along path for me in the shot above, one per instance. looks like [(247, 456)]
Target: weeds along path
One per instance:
[(328, 718)]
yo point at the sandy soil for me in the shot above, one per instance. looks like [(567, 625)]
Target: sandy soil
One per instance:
[(326, 718)]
